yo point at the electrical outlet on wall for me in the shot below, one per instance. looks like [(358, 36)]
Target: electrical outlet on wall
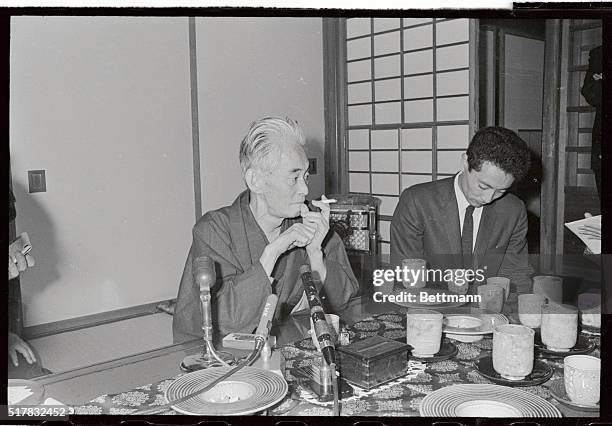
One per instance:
[(312, 166), (37, 181)]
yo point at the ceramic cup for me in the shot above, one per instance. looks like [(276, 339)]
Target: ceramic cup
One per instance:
[(333, 321), (387, 286), (589, 305), (582, 374), (588, 300), (424, 331), (513, 351), (530, 309), (591, 317), (456, 281), (549, 286), (491, 297), (415, 273), (559, 327), (503, 282)]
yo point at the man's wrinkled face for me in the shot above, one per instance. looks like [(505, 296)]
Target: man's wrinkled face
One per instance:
[(286, 186), (484, 186)]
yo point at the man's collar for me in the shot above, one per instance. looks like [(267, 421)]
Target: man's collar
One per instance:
[(462, 202)]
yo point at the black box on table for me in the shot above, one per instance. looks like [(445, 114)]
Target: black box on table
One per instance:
[(373, 361)]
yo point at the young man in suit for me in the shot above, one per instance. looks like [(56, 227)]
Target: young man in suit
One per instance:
[(470, 221)]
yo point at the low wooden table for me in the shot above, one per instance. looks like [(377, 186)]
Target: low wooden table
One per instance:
[(136, 382)]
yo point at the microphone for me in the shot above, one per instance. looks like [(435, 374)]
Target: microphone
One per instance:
[(203, 269), (203, 272), (265, 322), (321, 328)]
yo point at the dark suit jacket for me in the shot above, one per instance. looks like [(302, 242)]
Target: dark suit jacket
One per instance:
[(425, 225), (591, 90)]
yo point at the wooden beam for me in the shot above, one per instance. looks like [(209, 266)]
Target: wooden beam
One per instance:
[(550, 146), (334, 66), (563, 143), (501, 83), (78, 323), (474, 76), (195, 118)]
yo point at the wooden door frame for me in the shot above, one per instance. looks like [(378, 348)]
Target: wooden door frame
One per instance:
[(551, 196)]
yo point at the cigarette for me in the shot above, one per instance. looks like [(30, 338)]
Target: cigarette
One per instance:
[(328, 201)]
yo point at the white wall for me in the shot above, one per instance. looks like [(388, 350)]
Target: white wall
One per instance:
[(249, 68), (103, 105)]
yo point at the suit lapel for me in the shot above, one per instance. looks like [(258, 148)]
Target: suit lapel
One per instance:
[(482, 239), (450, 213)]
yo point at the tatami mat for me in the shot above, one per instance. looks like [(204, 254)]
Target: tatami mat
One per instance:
[(74, 349)]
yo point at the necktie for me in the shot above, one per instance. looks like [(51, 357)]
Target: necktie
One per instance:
[(467, 237)]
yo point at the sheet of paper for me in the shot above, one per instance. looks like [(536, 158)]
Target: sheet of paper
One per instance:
[(52, 401), (17, 394), (593, 244)]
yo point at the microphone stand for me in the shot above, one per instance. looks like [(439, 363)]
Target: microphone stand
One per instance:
[(321, 329), (336, 411), (204, 274), (261, 336)]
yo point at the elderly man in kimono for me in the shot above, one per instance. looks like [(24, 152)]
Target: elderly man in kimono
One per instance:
[(259, 242)]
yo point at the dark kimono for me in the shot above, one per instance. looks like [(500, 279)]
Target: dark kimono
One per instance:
[(235, 242)]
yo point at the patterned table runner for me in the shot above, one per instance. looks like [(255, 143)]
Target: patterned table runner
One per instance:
[(398, 398)]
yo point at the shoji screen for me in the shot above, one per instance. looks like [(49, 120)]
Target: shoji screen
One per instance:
[(408, 105)]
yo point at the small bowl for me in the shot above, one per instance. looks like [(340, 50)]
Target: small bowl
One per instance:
[(461, 321), (465, 338)]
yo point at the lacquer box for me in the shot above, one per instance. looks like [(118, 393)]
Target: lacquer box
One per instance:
[(373, 361)]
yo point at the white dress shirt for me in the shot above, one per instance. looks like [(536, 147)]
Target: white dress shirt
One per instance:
[(462, 204)]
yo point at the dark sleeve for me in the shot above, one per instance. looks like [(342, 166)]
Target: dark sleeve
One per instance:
[(515, 264), (340, 282), (238, 295), (406, 231), (591, 89), (12, 211)]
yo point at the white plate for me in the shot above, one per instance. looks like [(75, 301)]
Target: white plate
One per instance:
[(476, 400), (20, 387), (472, 321), (248, 391)]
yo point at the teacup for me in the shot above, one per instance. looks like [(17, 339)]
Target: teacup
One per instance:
[(530, 309), (582, 374), (591, 317), (333, 321), (513, 351), (503, 282), (424, 331), (387, 287), (588, 301), (491, 297), (456, 280), (559, 327), (550, 286), (589, 305), (415, 273)]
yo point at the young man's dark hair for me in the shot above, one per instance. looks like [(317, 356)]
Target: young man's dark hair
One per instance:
[(502, 148)]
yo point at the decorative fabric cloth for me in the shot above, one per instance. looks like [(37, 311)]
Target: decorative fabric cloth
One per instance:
[(399, 398)]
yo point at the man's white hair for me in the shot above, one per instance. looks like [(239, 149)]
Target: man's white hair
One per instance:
[(260, 146)]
